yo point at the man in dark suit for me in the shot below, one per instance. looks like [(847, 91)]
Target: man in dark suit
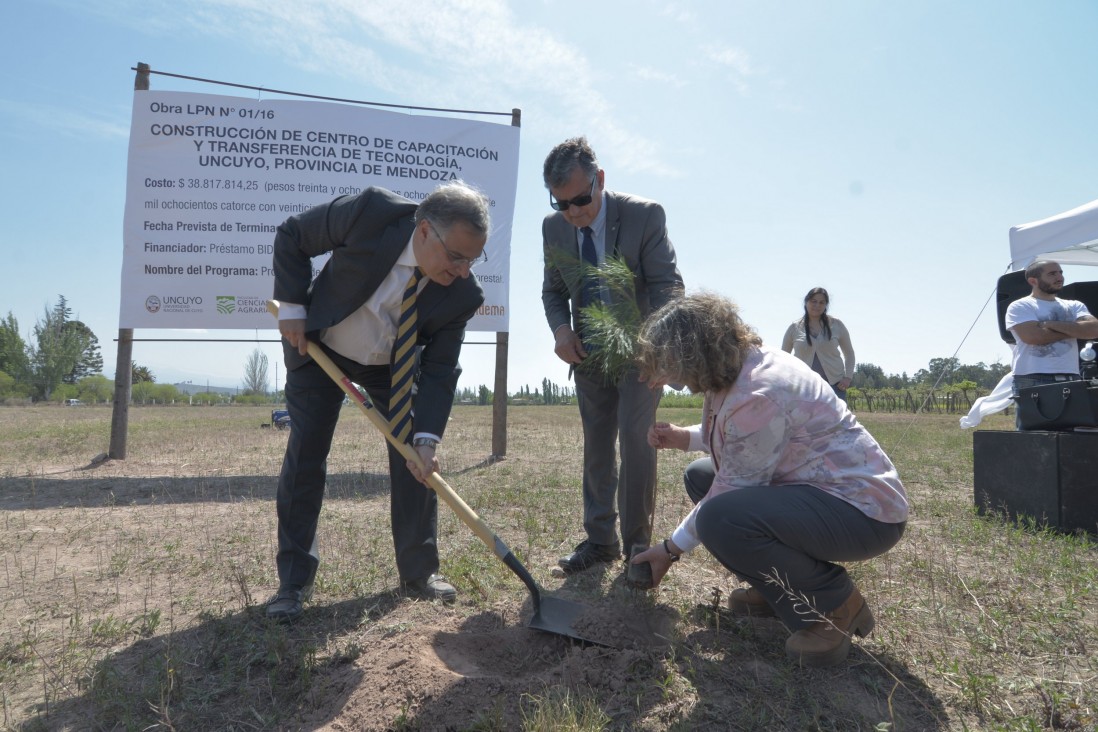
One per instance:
[(591, 224), (383, 247)]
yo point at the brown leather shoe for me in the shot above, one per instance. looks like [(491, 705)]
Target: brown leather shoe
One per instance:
[(749, 602), (827, 642)]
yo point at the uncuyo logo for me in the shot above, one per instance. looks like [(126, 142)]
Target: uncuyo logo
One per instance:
[(226, 304), (152, 304)]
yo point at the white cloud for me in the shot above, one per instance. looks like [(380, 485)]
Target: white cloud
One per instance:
[(735, 60), (415, 50), (647, 73), (680, 13), (66, 120)]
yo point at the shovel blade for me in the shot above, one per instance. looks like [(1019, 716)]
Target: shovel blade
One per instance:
[(558, 616)]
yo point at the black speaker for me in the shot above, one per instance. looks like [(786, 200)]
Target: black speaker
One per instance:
[(1011, 286), (1048, 476), (1085, 292), (1079, 482)]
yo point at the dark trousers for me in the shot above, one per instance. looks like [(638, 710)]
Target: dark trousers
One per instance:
[(314, 402), (794, 534), (618, 413)]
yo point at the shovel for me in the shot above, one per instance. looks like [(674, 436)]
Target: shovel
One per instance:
[(551, 614)]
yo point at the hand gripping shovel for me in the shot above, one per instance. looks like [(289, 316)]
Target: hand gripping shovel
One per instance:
[(551, 614)]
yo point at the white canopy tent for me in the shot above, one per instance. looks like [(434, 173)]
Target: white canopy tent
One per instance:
[(1070, 237)]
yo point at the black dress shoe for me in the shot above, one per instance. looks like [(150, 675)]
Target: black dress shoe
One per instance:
[(434, 587), (286, 606), (588, 555)]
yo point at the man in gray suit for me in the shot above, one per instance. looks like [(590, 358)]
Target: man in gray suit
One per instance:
[(591, 224), (381, 245)]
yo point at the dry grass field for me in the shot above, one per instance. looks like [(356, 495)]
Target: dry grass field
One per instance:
[(131, 595)]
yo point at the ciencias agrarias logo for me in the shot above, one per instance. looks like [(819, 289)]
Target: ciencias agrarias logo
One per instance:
[(226, 304), (241, 304)]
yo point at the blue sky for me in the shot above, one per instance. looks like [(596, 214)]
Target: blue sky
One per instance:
[(881, 150)]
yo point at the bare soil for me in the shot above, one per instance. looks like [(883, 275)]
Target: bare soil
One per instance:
[(132, 597)]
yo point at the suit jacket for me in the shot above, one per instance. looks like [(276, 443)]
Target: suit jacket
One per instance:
[(366, 234), (636, 231)]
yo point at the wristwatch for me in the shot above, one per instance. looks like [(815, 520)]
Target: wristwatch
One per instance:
[(672, 555), (425, 441)]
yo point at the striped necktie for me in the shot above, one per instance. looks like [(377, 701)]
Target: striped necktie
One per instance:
[(400, 401)]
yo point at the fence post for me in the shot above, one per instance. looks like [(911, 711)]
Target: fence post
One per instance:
[(123, 364), (499, 388)]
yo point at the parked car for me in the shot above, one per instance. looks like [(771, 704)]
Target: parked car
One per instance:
[(73, 403)]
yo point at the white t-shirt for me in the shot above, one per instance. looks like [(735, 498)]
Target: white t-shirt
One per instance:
[(1061, 357)]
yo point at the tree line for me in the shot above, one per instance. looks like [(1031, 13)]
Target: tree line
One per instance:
[(944, 385), (61, 350), (940, 373), (61, 359), (548, 394)]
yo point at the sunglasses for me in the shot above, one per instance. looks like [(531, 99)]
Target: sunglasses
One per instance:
[(578, 201)]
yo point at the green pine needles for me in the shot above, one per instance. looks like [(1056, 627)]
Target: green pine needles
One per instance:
[(610, 328)]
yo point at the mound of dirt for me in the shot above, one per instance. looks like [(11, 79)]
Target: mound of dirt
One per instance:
[(451, 673)]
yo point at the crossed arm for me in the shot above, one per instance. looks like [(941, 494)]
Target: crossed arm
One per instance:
[(1043, 332)]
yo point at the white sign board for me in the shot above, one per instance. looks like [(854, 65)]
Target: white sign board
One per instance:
[(211, 177)]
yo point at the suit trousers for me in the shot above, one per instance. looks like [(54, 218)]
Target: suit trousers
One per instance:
[(620, 413), (314, 402), (785, 541)]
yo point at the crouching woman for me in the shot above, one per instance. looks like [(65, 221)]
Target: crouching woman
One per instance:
[(793, 485)]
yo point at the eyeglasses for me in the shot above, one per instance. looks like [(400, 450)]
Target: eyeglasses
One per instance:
[(579, 201), (455, 257)]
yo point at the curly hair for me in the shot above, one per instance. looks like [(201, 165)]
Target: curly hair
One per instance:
[(698, 340)]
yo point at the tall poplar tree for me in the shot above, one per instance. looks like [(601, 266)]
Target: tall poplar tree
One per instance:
[(56, 351), (13, 350)]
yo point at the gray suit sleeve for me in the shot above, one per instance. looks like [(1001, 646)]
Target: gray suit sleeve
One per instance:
[(658, 266), (555, 296)]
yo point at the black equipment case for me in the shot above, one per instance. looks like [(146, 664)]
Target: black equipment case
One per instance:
[(1063, 405)]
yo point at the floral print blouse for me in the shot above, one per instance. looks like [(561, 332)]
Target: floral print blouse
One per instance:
[(781, 424)]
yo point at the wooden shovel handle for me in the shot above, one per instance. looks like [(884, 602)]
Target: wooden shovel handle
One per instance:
[(440, 486)]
